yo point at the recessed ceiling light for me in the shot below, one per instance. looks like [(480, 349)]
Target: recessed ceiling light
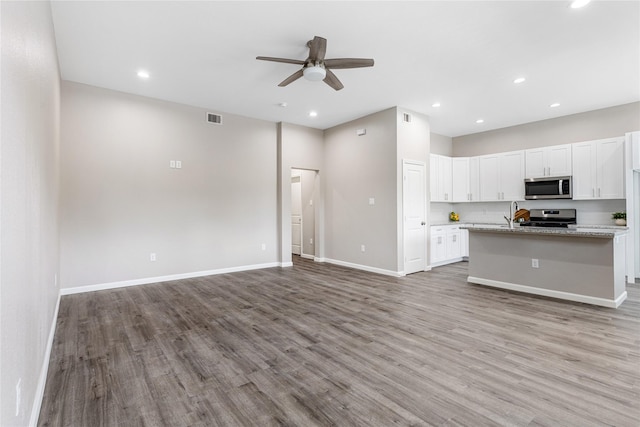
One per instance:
[(480, 121), (554, 105), (143, 74), (577, 4), (435, 105), (313, 113), (282, 104), (519, 80)]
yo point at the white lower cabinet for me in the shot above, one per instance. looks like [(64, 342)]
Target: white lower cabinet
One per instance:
[(448, 244)]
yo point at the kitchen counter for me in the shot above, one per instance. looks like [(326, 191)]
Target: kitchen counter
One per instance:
[(584, 264), (574, 231)]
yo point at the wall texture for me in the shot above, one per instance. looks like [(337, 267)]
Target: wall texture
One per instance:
[(120, 200), (359, 168), (29, 147), (592, 125)]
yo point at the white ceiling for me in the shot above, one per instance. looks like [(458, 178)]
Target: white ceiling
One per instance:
[(464, 55)]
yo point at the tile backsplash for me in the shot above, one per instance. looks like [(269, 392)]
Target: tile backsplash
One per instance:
[(588, 212)]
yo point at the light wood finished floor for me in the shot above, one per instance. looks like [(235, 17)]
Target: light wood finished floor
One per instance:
[(318, 345)]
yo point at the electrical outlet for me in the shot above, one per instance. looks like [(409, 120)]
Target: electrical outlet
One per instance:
[(372, 200), (152, 256), (178, 164), (172, 164), (311, 241), (535, 263), (362, 248), (264, 246)]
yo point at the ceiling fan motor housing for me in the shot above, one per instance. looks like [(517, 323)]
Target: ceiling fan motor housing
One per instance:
[(314, 73)]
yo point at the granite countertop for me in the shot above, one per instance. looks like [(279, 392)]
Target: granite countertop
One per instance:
[(607, 232)]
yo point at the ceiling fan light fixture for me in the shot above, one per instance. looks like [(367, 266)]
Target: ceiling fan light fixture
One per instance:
[(314, 73)]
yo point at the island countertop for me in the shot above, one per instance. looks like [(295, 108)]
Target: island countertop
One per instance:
[(573, 231)]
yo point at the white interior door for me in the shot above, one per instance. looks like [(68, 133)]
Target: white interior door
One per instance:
[(296, 215), (414, 213)]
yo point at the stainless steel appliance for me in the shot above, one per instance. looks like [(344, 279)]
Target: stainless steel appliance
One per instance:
[(559, 187), (550, 218)]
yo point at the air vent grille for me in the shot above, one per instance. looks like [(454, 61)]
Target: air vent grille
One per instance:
[(214, 118), (406, 117)]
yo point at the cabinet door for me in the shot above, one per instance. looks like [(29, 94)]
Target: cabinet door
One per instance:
[(453, 244), (445, 185), (558, 160), (535, 166), (610, 169), (511, 166), (489, 189), (474, 179), (460, 177), (584, 176), (433, 178), (438, 246)]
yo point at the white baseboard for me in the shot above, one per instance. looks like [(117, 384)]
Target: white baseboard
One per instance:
[(44, 369), (306, 256), (286, 264), (319, 259), (148, 280), (603, 302), (364, 267)]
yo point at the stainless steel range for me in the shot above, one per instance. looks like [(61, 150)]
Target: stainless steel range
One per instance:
[(550, 218)]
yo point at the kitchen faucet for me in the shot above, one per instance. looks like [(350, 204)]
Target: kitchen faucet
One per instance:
[(513, 208)]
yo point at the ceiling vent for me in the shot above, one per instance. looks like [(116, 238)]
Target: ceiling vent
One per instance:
[(406, 117), (214, 118)]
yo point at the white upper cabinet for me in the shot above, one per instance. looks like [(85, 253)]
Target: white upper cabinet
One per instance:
[(598, 169), (548, 161), (441, 178), (502, 176), (466, 185)]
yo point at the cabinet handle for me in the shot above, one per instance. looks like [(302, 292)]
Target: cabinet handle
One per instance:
[(598, 191), (593, 192), (439, 239)]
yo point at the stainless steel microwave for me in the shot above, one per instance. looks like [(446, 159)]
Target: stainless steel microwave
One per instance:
[(559, 187)]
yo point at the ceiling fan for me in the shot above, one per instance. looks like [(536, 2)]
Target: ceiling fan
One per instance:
[(316, 68)]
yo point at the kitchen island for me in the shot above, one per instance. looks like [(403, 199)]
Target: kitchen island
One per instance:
[(577, 263)]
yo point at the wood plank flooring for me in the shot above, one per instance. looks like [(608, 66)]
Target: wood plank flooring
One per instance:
[(322, 345)]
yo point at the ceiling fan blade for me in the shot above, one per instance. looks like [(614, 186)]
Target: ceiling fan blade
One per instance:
[(333, 81), (292, 78), (341, 63), (317, 49), (285, 60)]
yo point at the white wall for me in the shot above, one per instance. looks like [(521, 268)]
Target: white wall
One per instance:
[(120, 201), (30, 102)]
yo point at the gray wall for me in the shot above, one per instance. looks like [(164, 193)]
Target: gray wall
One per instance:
[(120, 201), (29, 203), (441, 144), (592, 125), (413, 143), (358, 168), (309, 199), (302, 148)]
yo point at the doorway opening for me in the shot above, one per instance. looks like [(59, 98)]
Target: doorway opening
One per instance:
[(304, 185)]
